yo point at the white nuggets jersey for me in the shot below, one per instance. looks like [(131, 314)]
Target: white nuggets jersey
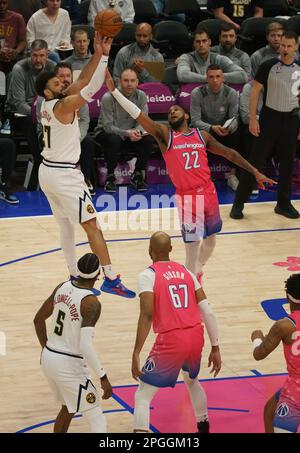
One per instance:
[(66, 319), (61, 141)]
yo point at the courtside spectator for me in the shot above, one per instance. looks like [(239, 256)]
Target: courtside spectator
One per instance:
[(192, 66), (53, 25), (25, 7), (227, 48), (12, 36), (134, 55), (123, 7), (81, 54), (118, 131), (234, 12), (21, 94)]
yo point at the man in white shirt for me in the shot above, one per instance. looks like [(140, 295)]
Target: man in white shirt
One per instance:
[(123, 7), (52, 24)]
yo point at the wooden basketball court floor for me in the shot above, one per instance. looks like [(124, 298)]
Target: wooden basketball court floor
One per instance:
[(240, 274)]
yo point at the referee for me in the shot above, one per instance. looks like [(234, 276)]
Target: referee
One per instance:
[(278, 125)]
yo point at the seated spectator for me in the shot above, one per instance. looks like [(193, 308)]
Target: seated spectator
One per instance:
[(211, 106), (73, 8), (234, 12), (12, 37), (20, 96), (81, 54), (274, 32), (53, 25), (7, 163), (123, 7), (24, 7), (63, 71), (160, 8), (118, 131), (134, 55), (227, 39), (192, 66)]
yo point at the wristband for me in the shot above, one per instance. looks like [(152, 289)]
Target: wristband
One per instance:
[(256, 342)]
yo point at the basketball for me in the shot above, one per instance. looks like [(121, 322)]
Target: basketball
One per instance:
[(108, 23)]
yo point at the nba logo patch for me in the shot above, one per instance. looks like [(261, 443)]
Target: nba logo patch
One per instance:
[(282, 410), (149, 366)]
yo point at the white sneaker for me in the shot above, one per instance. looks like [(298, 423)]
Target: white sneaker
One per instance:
[(232, 182)]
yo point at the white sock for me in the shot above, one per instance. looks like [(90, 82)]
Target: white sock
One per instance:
[(191, 256), (68, 245), (197, 396), (108, 271), (206, 249)]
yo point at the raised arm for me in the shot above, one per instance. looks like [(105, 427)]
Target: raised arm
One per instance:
[(217, 148), (90, 311), (159, 131)]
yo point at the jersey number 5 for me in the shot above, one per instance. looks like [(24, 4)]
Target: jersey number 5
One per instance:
[(191, 160), (60, 325), (179, 295)]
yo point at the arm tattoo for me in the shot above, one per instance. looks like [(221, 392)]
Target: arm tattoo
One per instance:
[(90, 312)]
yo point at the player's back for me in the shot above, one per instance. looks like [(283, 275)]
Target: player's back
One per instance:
[(292, 356), (66, 318), (61, 141), (186, 161), (175, 302)]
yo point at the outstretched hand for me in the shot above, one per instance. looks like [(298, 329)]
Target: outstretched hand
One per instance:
[(262, 180), (102, 44)]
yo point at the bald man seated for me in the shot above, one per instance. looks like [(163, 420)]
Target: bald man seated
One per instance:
[(134, 55)]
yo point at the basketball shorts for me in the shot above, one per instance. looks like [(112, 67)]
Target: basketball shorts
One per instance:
[(67, 193), (172, 351), (69, 380), (287, 414), (199, 213)]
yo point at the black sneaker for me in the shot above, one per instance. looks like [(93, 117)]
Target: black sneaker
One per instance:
[(138, 182), (236, 212), (6, 196), (290, 212), (110, 186), (203, 427)]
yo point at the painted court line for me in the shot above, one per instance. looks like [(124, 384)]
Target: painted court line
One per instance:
[(232, 233)]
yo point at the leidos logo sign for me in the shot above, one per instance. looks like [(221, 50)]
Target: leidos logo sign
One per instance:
[(160, 98)]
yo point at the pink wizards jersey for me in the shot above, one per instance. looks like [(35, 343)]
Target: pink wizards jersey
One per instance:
[(291, 388), (175, 303), (186, 160)]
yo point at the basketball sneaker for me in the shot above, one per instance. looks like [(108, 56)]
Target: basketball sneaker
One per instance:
[(203, 427), (117, 288)]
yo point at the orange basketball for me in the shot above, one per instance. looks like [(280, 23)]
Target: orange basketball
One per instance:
[(108, 23)]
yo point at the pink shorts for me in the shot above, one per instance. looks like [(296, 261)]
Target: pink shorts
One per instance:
[(199, 213), (172, 351)]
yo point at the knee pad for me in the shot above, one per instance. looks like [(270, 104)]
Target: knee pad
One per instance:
[(142, 399), (96, 420)]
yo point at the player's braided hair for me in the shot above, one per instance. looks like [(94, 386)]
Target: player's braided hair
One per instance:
[(292, 286), (88, 263)]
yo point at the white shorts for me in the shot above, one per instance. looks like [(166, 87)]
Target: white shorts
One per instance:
[(67, 193), (70, 381)]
